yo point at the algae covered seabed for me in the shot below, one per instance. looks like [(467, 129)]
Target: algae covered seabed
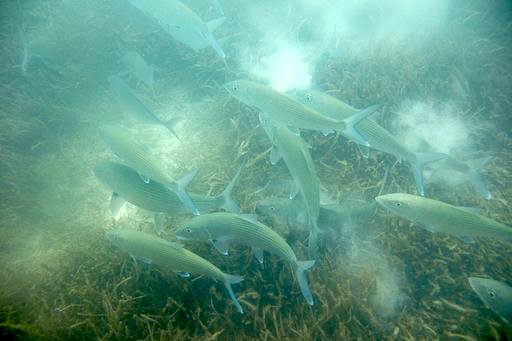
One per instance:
[(386, 279)]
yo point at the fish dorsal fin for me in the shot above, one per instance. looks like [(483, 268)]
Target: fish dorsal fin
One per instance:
[(474, 210), (274, 155), (253, 218)]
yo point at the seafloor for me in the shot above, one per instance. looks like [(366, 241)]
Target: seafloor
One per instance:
[(62, 279)]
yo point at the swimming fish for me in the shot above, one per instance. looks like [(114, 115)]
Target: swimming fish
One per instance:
[(496, 296), (284, 109), (136, 108), (222, 228), (437, 216), (471, 169), (171, 256), (182, 23), (378, 137), (126, 184), (139, 157), (134, 62), (295, 154)]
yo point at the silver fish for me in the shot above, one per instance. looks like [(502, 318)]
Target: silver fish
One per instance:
[(171, 256), (437, 216), (496, 296), (182, 23), (378, 137), (295, 154), (138, 156), (284, 109), (136, 108), (221, 229), (126, 184), (134, 62)]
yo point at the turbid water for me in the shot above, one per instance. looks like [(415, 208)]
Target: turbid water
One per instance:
[(441, 72)]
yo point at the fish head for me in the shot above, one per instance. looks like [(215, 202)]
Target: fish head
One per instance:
[(193, 229), (240, 89), (401, 204), (496, 295), (277, 209)]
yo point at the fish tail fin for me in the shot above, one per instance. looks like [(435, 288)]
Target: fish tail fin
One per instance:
[(350, 130), (229, 204), (476, 178), (232, 279), (417, 165), (302, 266), (171, 124), (182, 193)]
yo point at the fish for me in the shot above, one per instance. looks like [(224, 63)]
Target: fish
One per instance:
[(471, 169), (290, 212), (437, 216), (136, 108), (286, 110), (378, 137), (172, 256), (126, 185), (496, 296), (134, 62), (295, 154), (182, 23), (139, 157), (223, 228)]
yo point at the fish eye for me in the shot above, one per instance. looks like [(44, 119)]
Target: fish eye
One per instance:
[(492, 294), (398, 204), (236, 86), (309, 98), (272, 208), (188, 229)]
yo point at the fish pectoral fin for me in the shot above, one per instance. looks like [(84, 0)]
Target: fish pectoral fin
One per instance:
[(294, 190), (466, 239), (327, 132), (144, 178), (183, 274), (144, 259), (294, 130), (258, 253), (275, 156), (116, 205), (159, 222), (222, 245), (365, 150)]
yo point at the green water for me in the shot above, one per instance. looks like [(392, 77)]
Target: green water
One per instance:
[(442, 71)]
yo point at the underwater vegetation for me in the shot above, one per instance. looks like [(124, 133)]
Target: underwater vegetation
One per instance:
[(163, 172)]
